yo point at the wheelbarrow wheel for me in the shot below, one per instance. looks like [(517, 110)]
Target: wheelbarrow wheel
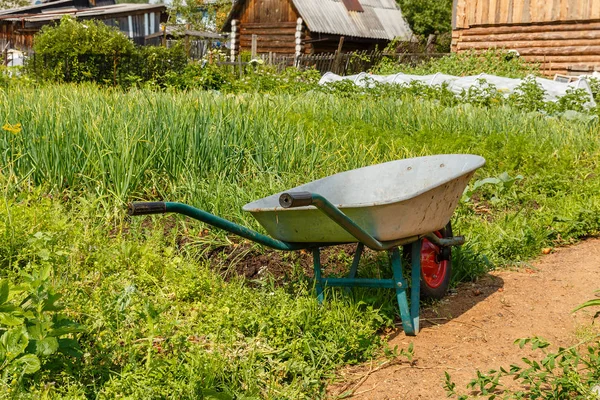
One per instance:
[(436, 266)]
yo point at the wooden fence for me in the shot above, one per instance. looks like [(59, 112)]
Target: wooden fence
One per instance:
[(339, 63)]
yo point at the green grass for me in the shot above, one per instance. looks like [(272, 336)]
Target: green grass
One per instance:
[(160, 321), (220, 151)]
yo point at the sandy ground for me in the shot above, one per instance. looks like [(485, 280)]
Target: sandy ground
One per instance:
[(475, 327)]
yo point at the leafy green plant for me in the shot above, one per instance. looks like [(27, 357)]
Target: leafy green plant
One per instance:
[(427, 16), (528, 96), (495, 62), (482, 94), (503, 183), (31, 328), (590, 303)]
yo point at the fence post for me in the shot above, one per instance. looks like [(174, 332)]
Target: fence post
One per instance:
[(338, 57), (233, 37)]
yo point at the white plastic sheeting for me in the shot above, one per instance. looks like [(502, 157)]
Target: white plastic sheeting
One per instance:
[(554, 90)]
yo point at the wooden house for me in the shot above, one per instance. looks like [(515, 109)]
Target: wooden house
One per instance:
[(562, 35), (314, 26), (19, 25)]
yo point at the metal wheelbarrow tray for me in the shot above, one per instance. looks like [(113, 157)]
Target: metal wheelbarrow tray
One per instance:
[(399, 203)]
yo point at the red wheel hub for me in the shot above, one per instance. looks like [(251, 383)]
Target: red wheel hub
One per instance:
[(433, 269)]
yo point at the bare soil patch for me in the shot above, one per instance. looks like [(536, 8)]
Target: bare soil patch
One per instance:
[(475, 327)]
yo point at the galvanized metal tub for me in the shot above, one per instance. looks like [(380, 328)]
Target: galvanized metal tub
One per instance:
[(393, 200)]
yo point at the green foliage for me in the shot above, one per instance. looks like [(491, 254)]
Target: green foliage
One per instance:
[(91, 51), (200, 15), (32, 331), (160, 323), (152, 66), (265, 79), (7, 4), (198, 76), (427, 17), (76, 51), (569, 373), (161, 319), (590, 303), (495, 62), (529, 96), (71, 38)]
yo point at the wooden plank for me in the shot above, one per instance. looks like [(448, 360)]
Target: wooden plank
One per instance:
[(549, 64), (570, 50), (534, 36), (595, 9), (586, 9), (555, 15), (271, 25), (546, 11), (464, 20), (534, 11), (526, 16), (561, 58), (262, 46), (267, 38), (482, 11), (563, 9), (506, 16), (490, 17), (573, 10), (262, 32), (556, 27), (472, 11), (517, 11), (517, 45)]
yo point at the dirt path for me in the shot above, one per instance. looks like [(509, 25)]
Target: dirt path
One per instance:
[(475, 328)]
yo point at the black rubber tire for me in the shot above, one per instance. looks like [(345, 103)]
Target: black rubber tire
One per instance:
[(428, 292)]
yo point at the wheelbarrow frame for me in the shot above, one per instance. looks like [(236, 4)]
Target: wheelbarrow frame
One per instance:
[(408, 314)]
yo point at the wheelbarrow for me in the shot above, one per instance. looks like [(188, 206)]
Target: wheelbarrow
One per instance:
[(405, 203)]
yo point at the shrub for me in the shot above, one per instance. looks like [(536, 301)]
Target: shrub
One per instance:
[(495, 62), (76, 51)]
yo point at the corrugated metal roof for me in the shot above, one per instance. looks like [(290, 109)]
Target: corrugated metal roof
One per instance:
[(382, 19), (88, 12), (33, 8)]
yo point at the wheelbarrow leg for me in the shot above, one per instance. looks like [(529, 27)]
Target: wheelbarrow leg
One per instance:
[(410, 316), (318, 278), (354, 268), (415, 289), (357, 254)]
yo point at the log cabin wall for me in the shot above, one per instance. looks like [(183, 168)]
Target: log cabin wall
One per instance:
[(21, 40), (558, 34), (325, 43), (274, 23)]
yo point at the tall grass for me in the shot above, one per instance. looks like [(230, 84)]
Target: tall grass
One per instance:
[(220, 151)]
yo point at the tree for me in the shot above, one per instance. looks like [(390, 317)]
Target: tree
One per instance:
[(200, 14), (71, 38), (8, 4), (74, 51), (428, 16)]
